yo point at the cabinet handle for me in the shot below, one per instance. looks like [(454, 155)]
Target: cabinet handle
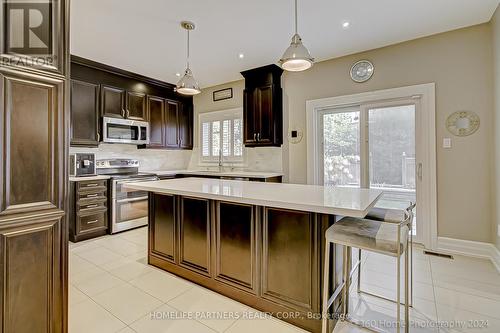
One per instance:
[(258, 136), (254, 137), (92, 222), (92, 185), (98, 137), (92, 195), (91, 206)]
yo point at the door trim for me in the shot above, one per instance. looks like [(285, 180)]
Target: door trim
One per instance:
[(425, 93)]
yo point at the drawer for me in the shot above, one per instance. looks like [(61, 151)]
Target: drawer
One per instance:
[(92, 222), (92, 186), (88, 207), (90, 196)]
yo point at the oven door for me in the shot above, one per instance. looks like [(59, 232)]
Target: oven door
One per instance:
[(130, 207)]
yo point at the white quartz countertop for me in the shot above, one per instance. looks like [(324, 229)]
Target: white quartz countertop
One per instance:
[(80, 179), (353, 202), (242, 174)]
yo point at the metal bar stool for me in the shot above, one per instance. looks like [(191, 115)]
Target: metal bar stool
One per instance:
[(375, 236), (390, 216)]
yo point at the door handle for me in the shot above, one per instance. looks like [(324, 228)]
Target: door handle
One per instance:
[(419, 171)]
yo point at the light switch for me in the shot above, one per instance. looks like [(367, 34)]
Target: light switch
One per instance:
[(447, 143)]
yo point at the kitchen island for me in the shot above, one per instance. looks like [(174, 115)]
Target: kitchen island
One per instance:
[(259, 243)]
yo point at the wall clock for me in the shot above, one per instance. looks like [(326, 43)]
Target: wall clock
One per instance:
[(462, 123), (362, 71)]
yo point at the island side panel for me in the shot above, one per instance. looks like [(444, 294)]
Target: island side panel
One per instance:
[(235, 250), (229, 239), (162, 227), (195, 234), (290, 259)]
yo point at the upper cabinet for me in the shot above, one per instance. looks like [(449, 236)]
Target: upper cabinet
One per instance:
[(84, 114), (100, 90), (263, 107), (170, 123), (136, 106), (112, 102)]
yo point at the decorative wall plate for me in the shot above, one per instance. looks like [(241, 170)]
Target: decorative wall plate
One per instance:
[(362, 71), (462, 123)]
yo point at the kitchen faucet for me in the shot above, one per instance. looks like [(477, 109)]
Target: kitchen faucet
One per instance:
[(220, 159)]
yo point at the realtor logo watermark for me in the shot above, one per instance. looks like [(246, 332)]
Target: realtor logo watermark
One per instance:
[(27, 33)]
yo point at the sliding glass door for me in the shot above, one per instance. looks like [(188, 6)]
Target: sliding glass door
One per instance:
[(372, 146)]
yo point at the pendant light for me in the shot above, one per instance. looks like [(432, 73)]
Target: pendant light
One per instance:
[(296, 57), (188, 85)]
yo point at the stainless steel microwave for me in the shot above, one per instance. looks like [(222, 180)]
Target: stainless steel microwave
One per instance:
[(125, 131)]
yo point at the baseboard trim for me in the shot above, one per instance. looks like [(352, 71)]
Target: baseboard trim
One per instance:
[(471, 249)]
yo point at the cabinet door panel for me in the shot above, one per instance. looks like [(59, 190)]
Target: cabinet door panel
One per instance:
[(112, 102), (290, 249), (136, 106), (186, 127), (156, 115), (264, 115), (32, 276), (162, 226), (31, 146), (235, 245), (249, 117), (194, 231), (84, 114), (172, 124)]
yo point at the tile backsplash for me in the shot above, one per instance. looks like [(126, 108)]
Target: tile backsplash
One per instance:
[(257, 159), (149, 159)]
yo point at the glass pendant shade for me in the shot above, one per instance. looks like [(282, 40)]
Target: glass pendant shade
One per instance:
[(296, 57), (187, 85)]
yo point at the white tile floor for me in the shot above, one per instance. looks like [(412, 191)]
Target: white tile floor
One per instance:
[(114, 290)]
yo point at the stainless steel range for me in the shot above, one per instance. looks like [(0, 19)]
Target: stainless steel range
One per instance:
[(129, 208)]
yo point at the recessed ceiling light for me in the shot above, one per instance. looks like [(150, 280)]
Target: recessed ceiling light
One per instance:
[(346, 24), (241, 56), (178, 74)]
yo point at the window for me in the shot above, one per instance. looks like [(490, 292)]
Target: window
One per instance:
[(221, 132)]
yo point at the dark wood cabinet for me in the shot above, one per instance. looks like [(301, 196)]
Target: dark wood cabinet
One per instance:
[(156, 116), (194, 235), (263, 107), (112, 102), (236, 250), (136, 106), (34, 140), (185, 124), (163, 241), (170, 124), (88, 213), (268, 258), (84, 114), (118, 93)]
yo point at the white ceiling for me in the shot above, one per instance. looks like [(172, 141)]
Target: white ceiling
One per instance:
[(144, 36)]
